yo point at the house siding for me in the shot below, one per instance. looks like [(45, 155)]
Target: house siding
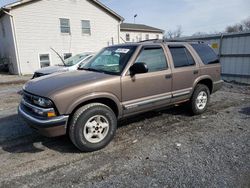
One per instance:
[(38, 28), (135, 36), (7, 45)]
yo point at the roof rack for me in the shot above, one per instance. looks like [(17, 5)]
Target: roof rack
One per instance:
[(153, 40), (170, 40), (183, 40)]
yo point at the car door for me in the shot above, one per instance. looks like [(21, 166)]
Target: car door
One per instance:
[(185, 71), (143, 92)]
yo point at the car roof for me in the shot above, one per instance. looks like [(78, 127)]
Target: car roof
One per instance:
[(170, 41)]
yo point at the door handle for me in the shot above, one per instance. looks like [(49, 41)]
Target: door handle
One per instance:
[(196, 72), (169, 76)]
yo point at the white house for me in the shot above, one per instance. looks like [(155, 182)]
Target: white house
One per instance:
[(30, 28), (138, 32)]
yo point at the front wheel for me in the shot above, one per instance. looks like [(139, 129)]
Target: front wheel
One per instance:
[(92, 127), (200, 99)]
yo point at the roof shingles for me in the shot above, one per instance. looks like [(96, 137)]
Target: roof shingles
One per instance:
[(139, 27), (97, 2)]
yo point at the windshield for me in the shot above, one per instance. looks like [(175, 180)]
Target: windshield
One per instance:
[(111, 60), (75, 59)]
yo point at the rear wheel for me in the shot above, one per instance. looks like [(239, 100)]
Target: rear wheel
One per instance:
[(200, 99), (92, 127)]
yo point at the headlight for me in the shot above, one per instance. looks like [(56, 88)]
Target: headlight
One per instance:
[(43, 102)]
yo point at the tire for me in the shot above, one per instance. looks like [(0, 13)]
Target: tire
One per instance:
[(201, 93), (92, 127)]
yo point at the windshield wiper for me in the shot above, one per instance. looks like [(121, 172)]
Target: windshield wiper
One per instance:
[(96, 70), (91, 69)]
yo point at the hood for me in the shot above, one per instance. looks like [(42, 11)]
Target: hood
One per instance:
[(48, 85), (52, 69)]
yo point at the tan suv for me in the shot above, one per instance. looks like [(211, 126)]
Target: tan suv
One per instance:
[(119, 82)]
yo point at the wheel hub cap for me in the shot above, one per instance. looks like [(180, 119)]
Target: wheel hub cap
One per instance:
[(96, 129), (201, 100)]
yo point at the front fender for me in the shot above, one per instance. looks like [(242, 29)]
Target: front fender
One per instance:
[(94, 96)]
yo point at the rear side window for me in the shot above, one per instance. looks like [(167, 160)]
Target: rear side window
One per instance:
[(181, 57), (207, 54), (154, 58)]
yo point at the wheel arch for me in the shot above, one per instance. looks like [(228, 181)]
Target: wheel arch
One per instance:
[(206, 80), (103, 98)]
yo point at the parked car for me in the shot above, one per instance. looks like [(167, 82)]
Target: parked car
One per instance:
[(119, 82), (70, 64)]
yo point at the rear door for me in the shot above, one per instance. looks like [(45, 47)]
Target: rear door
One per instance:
[(143, 92), (185, 70)]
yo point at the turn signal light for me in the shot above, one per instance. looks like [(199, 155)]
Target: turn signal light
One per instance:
[(51, 114)]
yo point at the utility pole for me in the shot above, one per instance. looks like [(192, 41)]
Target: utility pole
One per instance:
[(135, 16)]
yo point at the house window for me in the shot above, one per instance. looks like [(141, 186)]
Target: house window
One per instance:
[(147, 37), (86, 29), (3, 29), (67, 55), (127, 37), (157, 36), (65, 25), (44, 60)]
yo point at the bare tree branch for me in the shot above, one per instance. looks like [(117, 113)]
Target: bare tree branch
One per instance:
[(171, 34)]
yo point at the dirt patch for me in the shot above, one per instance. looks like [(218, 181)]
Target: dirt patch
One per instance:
[(6, 79)]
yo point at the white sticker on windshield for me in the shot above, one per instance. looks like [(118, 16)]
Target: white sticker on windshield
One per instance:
[(122, 50)]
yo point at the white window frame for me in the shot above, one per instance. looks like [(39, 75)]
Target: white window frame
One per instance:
[(39, 60), (147, 37), (89, 28), (65, 27)]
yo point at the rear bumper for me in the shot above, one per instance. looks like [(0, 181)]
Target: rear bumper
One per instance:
[(48, 127), (217, 85)]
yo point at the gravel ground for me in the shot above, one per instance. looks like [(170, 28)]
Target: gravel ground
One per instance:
[(7, 79), (167, 148)]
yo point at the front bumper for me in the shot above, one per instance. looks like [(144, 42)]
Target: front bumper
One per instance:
[(48, 127)]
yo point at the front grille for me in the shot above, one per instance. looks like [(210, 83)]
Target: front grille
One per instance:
[(27, 109), (30, 111), (29, 98), (30, 107)]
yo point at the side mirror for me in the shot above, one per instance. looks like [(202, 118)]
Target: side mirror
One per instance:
[(138, 68)]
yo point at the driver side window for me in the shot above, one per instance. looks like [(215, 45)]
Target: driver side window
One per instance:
[(154, 58)]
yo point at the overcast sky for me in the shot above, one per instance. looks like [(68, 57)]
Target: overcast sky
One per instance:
[(193, 15)]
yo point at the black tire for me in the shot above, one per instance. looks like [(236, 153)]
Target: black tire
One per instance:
[(193, 106), (79, 121)]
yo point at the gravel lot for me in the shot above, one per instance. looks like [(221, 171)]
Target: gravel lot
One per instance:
[(167, 148)]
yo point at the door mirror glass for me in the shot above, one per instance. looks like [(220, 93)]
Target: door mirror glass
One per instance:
[(138, 68)]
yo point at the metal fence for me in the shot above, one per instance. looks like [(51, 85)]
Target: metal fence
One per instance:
[(234, 52)]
